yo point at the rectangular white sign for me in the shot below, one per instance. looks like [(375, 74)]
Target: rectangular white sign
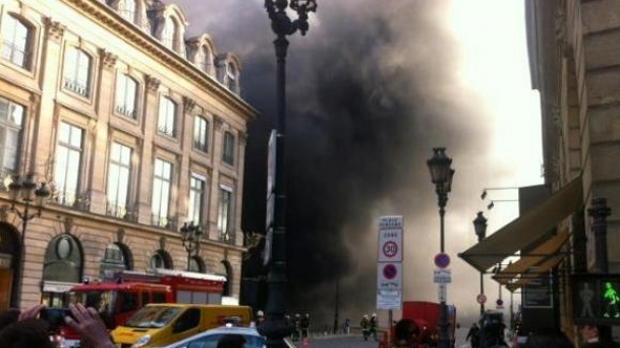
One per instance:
[(442, 276), (389, 276), (387, 299), (391, 245), (392, 221)]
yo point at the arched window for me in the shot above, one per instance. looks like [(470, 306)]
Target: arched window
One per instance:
[(63, 260), (16, 42), (231, 77), (169, 36), (77, 71), (161, 259), (203, 59), (196, 264), (127, 9), (225, 269)]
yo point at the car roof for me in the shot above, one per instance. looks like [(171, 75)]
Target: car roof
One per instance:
[(222, 330)]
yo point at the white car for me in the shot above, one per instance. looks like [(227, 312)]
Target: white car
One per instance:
[(209, 338)]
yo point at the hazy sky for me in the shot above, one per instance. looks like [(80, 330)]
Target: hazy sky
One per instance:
[(372, 87)]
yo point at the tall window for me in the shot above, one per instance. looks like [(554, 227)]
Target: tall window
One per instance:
[(126, 91), (11, 120), (228, 155), (166, 122), (196, 198), (127, 9), (203, 59), (68, 158), (231, 77), (224, 214), (77, 71), (201, 134), (118, 180), (162, 181), (16, 42), (169, 34)]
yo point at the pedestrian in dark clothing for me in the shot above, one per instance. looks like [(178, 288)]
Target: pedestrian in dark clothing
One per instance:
[(473, 336), (296, 321), (305, 326), (365, 325), (373, 326), (347, 326)]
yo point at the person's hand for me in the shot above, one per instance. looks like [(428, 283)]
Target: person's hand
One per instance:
[(88, 323), (31, 313)]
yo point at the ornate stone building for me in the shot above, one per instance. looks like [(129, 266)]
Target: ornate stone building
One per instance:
[(134, 128)]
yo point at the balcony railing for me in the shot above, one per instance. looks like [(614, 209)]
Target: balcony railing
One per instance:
[(126, 110), (169, 131), (166, 222), (76, 87), (201, 146)]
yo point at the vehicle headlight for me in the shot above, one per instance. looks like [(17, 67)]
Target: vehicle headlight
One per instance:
[(142, 341)]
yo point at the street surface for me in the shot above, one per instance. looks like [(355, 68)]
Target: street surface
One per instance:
[(356, 341)]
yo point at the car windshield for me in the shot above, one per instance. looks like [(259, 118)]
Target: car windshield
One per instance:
[(210, 341), (152, 317)]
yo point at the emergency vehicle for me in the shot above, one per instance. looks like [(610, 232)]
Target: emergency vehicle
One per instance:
[(119, 298)]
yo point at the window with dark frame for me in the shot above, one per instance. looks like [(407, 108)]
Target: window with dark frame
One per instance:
[(119, 171), (196, 199), (77, 71), (16, 42), (166, 122), (224, 215), (125, 102), (162, 181), (228, 155), (11, 120), (68, 163), (201, 133)]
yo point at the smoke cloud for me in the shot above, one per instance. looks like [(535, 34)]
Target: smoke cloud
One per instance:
[(372, 88)]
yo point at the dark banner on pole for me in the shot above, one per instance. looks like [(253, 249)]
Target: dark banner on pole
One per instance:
[(596, 299)]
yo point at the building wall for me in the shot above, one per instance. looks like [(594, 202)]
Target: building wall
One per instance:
[(117, 46), (578, 73)]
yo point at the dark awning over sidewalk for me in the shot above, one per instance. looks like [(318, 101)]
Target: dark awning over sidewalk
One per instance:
[(522, 232)]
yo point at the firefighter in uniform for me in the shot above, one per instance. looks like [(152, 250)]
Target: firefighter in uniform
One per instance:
[(296, 327), (365, 325), (305, 326)]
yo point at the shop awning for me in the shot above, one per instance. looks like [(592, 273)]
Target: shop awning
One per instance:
[(526, 229), (534, 272), (541, 255)]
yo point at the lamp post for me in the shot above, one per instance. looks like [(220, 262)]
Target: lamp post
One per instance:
[(190, 236), (480, 226), (441, 176), (276, 327), (29, 192)]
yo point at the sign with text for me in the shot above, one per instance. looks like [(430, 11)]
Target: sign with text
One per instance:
[(390, 276), (596, 298), (389, 266), (389, 299), (391, 245), (538, 293), (442, 276)]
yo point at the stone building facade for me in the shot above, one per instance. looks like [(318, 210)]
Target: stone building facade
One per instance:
[(134, 128), (574, 51)]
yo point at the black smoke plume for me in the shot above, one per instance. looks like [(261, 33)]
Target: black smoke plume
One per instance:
[(372, 88)]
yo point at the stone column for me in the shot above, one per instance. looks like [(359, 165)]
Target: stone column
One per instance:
[(214, 192), (145, 172), (105, 106), (239, 167)]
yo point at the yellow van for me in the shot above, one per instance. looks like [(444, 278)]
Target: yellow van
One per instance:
[(157, 325)]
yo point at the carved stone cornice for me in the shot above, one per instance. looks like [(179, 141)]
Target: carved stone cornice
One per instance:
[(188, 104), (53, 29), (152, 84), (108, 59)]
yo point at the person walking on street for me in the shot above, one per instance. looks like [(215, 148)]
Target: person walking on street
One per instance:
[(296, 327), (365, 325), (347, 326), (473, 336), (305, 326), (373, 326)]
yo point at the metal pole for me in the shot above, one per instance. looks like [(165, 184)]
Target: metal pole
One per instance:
[(444, 339), (336, 307), (482, 293)]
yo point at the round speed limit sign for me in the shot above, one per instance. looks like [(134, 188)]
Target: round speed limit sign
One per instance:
[(390, 249)]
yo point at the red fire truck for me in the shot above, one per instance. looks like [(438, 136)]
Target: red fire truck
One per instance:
[(117, 299)]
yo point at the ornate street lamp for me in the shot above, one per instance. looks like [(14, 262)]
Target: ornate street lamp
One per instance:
[(441, 176), (276, 327), (190, 236), (480, 226), (29, 193)]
